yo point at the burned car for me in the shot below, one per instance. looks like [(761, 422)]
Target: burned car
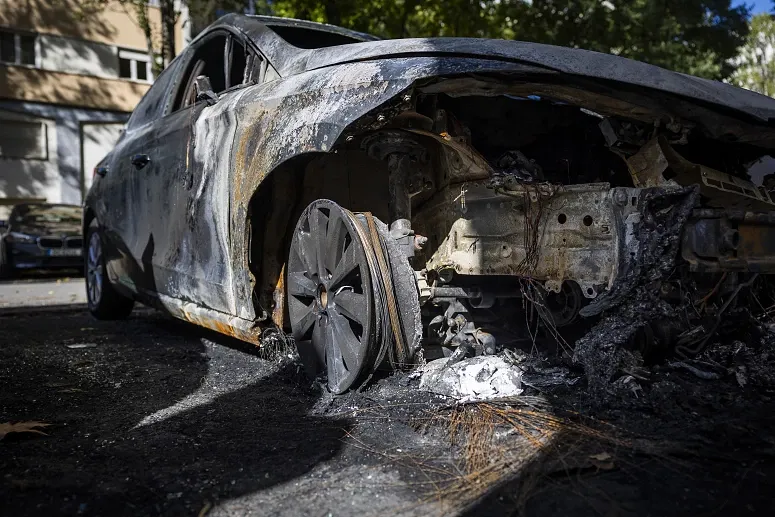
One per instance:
[(390, 201), (42, 236)]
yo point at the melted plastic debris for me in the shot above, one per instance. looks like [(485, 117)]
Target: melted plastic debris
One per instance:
[(478, 378), (633, 303)]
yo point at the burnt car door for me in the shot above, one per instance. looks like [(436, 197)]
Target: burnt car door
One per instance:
[(191, 253), (121, 190)]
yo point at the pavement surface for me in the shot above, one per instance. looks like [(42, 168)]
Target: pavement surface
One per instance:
[(39, 291), (153, 416)]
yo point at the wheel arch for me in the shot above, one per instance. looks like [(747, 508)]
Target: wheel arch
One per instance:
[(349, 177)]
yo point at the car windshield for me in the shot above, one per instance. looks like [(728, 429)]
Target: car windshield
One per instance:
[(49, 214)]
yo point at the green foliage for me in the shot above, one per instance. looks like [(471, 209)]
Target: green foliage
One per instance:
[(699, 37), (756, 63)]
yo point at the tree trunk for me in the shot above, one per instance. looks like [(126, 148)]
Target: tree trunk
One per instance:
[(168, 19), (141, 10)]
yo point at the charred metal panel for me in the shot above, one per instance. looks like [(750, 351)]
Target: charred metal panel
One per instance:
[(550, 233), (198, 247)]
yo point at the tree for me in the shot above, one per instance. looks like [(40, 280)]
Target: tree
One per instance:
[(699, 37), (169, 17), (756, 62), (693, 36), (165, 34)]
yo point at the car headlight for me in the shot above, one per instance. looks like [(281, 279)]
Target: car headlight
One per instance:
[(21, 238)]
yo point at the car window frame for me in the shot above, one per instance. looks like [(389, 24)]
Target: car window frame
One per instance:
[(183, 79), (132, 123)]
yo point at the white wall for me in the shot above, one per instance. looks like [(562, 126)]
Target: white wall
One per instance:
[(97, 139), (31, 178), (77, 56)]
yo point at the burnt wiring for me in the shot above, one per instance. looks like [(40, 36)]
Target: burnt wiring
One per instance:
[(533, 303)]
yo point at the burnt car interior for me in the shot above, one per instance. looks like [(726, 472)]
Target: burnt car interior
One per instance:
[(306, 38), (224, 61)]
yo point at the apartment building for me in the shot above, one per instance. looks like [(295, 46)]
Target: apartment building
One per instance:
[(68, 82)]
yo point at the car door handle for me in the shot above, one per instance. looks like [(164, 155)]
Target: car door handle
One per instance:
[(140, 160)]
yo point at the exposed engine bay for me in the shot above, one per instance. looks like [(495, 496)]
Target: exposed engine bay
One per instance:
[(527, 220)]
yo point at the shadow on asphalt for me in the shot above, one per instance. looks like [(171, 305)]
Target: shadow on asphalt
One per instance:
[(212, 437)]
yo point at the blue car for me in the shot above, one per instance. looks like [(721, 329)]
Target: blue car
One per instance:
[(42, 236)]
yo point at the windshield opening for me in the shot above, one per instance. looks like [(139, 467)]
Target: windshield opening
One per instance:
[(304, 37)]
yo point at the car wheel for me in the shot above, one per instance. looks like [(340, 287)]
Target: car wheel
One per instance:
[(104, 302), (330, 297)]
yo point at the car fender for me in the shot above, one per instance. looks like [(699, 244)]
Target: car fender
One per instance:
[(309, 113)]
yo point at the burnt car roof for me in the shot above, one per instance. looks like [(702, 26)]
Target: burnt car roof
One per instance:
[(585, 64)]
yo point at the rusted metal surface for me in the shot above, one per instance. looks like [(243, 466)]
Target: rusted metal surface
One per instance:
[(658, 164), (549, 233), (212, 320), (278, 313)]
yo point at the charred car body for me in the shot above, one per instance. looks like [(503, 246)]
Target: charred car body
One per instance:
[(42, 236), (383, 199)]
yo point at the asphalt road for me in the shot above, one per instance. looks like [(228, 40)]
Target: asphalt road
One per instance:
[(153, 416)]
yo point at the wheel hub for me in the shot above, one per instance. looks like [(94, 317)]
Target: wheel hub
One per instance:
[(565, 305), (94, 269), (322, 297)]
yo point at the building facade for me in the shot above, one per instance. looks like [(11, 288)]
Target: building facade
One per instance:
[(68, 81)]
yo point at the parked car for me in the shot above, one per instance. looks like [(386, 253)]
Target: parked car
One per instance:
[(42, 236), (519, 184)]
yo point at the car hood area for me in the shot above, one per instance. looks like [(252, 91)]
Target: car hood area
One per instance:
[(548, 59)]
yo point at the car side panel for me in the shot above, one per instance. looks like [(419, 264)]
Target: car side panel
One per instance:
[(193, 256), (119, 197)]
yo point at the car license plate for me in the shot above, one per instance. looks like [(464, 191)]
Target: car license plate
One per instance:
[(65, 252)]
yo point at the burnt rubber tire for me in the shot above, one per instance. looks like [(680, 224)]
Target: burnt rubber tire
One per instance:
[(104, 302), (330, 297)]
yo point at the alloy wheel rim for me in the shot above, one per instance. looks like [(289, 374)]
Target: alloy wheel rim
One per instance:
[(94, 269), (330, 299)]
